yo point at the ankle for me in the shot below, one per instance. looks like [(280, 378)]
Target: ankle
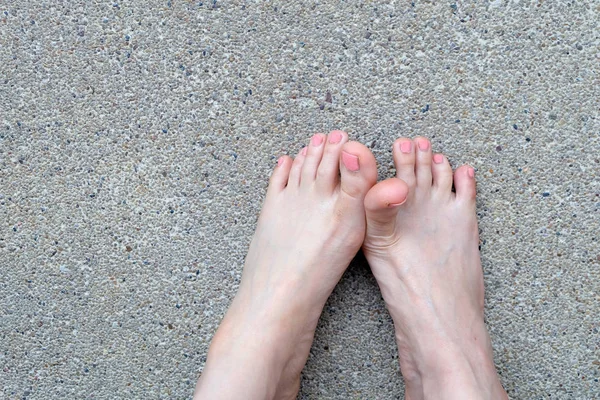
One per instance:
[(239, 358), (253, 332), (456, 370), (453, 377)]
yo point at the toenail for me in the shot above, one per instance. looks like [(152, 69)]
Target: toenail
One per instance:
[(335, 137), (438, 158), (406, 147), (471, 172), (304, 150), (316, 140), (280, 161), (350, 161), (423, 145), (397, 204)]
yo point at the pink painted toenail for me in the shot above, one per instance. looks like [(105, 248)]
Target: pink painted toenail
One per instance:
[(280, 161), (350, 161), (335, 137), (304, 150), (471, 172), (438, 158), (406, 147), (423, 145), (316, 140)]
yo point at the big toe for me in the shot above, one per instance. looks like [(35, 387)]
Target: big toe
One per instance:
[(465, 185), (381, 206), (358, 171)]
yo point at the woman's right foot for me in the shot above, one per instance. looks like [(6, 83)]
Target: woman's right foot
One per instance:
[(311, 226), (422, 243)]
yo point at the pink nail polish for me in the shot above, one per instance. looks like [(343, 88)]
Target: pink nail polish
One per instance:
[(350, 161), (471, 172), (335, 137), (423, 145), (438, 158), (304, 150), (316, 140), (406, 147), (280, 161)]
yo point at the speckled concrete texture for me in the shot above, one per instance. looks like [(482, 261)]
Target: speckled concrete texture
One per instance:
[(136, 140)]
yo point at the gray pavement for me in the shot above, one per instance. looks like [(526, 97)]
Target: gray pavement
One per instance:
[(136, 139)]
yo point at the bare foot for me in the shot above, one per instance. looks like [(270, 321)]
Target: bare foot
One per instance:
[(311, 226), (422, 244)]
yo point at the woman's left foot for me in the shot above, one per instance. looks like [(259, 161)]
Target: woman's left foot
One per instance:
[(311, 226), (424, 252)]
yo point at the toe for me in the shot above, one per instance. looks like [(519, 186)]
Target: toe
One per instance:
[(404, 159), (329, 170), (464, 183), (296, 169), (313, 159), (381, 206), (280, 175), (358, 170), (423, 169), (442, 174)]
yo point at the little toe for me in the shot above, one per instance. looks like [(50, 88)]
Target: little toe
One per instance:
[(358, 170), (381, 206), (280, 176), (442, 174), (465, 184), (329, 170), (404, 159), (423, 168), (296, 169), (313, 159)]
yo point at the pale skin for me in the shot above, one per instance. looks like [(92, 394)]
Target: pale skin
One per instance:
[(421, 241)]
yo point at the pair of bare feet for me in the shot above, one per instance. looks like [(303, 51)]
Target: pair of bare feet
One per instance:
[(421, 241)]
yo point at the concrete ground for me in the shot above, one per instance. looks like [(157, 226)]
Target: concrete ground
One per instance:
[(136, 139)]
